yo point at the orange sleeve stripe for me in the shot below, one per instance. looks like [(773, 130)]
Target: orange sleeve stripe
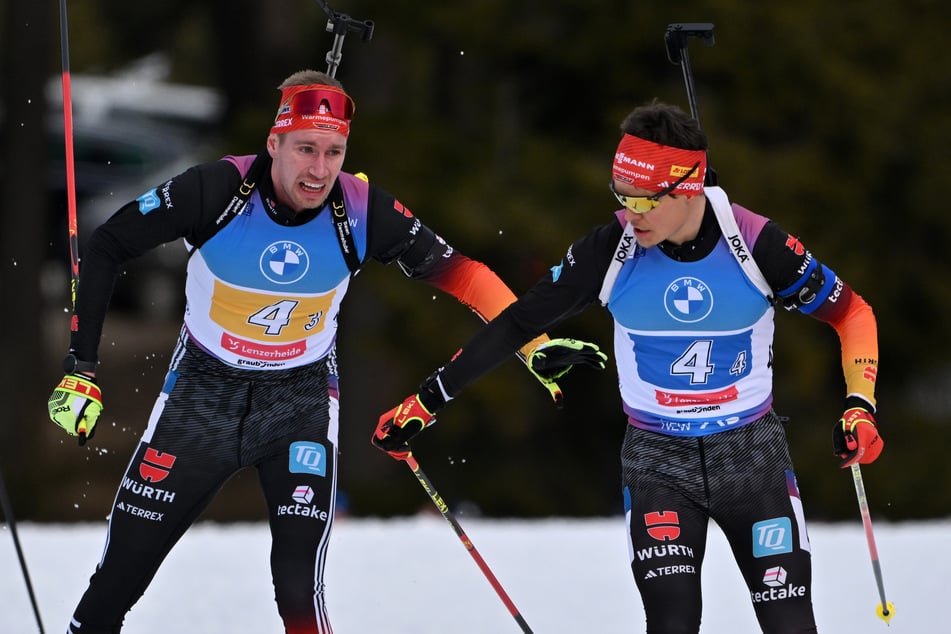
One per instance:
[(475, 285), (858, 334)]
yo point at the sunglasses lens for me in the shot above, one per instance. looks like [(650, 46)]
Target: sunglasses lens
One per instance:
[(637, 204), (311, 102), (641, 205)]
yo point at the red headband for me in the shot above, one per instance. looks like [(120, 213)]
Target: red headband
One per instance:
[(314, 107), (652, 166)]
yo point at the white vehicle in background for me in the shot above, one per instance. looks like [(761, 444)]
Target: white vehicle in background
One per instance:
[(131, 131)]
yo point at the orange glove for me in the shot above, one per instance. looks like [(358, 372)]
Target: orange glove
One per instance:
[(855, 438)]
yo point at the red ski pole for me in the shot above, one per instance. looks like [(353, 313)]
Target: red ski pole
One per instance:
[(885, 610), (444, 509)]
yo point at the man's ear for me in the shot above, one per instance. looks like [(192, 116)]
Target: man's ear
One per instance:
[(272, 142)]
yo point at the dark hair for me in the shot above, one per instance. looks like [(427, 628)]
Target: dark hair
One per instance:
[(665, 124)]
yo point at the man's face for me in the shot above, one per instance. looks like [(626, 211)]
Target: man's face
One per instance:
[(677, 217), (305, 165)]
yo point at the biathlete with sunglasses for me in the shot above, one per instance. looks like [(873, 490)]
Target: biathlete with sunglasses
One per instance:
[(691, 281), (275, 240)]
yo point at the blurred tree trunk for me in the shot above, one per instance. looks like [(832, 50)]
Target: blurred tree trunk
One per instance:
[(256, 47), (26, 48)]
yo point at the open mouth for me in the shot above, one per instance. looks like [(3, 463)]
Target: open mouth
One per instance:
[(312, 188)]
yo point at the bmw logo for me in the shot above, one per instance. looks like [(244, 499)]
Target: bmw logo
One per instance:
[(284, 262), (688, 300)]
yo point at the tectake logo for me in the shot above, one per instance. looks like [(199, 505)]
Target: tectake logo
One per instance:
[(774, 577), (779, 590), (303, 494), (284, 262), (688, 300)]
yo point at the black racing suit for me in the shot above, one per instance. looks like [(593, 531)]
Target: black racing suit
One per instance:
[(214, 417), (740, 476)]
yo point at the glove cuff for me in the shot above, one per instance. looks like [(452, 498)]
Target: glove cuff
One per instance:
[(853, 400), (432, 394)]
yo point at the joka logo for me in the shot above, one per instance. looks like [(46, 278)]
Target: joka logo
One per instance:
[(772, 537), (155, 465), (303, 494), (308, 457), (663, 525), (284, 262)]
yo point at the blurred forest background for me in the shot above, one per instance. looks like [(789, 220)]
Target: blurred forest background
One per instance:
[(496, 123)]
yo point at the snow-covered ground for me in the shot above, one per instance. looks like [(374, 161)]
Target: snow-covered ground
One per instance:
[(413, 575)]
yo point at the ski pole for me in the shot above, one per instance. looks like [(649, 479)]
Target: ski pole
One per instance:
[(885, 610), (340, 24), (70, 181), (675, 40), (11, 522), (451, 518)]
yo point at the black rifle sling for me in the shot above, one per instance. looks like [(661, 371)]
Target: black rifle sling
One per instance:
[(243, 193), (240, 198), (342, 228)]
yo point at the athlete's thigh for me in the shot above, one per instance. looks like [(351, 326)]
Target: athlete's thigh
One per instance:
[(667, 539), (300, 489), (758, 506), (166, 485)]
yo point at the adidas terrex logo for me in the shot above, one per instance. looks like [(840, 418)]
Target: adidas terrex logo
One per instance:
[(664, 571)]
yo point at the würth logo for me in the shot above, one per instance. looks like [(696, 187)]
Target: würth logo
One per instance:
[(663, 525), (155, 465)]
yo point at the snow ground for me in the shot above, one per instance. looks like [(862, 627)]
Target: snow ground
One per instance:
[(413, 575)]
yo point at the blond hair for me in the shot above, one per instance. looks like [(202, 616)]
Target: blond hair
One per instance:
[(309, 77)]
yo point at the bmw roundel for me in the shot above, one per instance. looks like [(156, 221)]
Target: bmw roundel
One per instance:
[(284, 262), (688, 300)]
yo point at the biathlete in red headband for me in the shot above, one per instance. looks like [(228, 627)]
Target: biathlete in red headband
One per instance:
[(692, 281), (275, 241)]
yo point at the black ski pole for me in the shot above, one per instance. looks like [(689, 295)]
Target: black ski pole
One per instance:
[(340, 24), (11, 522), (675, 40)]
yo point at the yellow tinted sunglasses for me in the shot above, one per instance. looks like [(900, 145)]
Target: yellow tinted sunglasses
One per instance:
[(643, 204)]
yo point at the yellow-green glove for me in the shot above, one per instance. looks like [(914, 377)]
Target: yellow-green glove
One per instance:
[(553, 359), (75, 405)]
